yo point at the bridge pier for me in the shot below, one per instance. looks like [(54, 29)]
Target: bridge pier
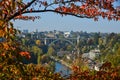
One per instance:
[(45, 41)]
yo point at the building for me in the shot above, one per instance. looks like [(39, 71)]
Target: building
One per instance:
[(90, 58), (92, 54), (50, 35), (62, 53), (67, 34), (25, 31)]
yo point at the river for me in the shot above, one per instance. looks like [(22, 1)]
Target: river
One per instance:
[(62, 69)]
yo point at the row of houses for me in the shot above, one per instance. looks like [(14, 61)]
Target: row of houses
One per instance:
[(86, 57), (90, 59)]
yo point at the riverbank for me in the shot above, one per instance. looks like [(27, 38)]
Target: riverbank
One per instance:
[(61, 61)]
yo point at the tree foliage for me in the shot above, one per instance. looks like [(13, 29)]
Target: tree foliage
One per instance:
[(51, 51), (10, 49), (13, 9)]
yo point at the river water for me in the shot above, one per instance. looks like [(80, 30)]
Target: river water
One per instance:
[(62, 69)]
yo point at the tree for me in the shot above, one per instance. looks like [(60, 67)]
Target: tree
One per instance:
[(78, 8), (96, 38), (114, 58), (38, 59), (14, 9), (38, 42), (69, 48), (37, 52), (10, 50), (51, 51)]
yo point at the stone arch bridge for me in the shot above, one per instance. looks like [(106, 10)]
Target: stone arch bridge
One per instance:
[(49, 41)]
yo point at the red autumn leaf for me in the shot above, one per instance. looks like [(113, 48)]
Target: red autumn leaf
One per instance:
[(25, 54)]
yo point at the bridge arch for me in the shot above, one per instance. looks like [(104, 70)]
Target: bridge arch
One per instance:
[(62, 40)]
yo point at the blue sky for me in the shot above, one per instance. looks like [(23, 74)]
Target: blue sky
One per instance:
[(53, 21)]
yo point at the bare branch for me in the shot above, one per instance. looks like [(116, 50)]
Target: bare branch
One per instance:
[(63, 13)]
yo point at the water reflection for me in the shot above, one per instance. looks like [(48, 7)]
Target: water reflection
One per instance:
[(62, 69)]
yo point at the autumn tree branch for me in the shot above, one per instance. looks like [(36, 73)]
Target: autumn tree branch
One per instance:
[(22, 11), (67, 7), (62, 13), (19, 12), (63, 2)]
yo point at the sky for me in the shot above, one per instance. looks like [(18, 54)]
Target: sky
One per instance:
[(53, 21)]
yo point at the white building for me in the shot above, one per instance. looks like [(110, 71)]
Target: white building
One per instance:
[(92, 54), (66, 34)]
